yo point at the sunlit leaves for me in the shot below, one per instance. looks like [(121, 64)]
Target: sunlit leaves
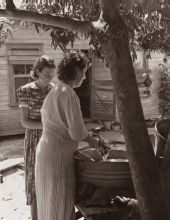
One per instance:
[(147, 30), (6, 28), (62, 38), (81, 10)]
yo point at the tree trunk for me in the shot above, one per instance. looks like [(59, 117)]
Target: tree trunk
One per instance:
[(143, 164)]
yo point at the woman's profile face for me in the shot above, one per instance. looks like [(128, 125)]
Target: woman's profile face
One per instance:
[(80, 76), (46, 75)]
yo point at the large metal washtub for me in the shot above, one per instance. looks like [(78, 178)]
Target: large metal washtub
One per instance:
[(112, 173), (162, 129)]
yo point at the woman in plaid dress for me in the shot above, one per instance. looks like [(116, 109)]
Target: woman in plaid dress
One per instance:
[(31, 97)]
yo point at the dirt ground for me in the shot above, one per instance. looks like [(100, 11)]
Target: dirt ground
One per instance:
[(12, 197), (12, 193), (12, 190), (12, 146)]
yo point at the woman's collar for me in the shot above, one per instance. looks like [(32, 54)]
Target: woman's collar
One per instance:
[(34, 85)]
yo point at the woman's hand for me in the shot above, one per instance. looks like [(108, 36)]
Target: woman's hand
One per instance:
[(92, 141), (103, 147)]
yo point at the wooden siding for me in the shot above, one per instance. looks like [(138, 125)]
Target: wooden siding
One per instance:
[(102, 104), (151, 103), (102, 99), (102, 85), (20, 54), (10, 116)]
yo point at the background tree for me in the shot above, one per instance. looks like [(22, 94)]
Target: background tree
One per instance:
[(6, 28), (113, 27)]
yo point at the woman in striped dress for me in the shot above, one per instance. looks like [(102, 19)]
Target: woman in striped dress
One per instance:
[(31, 97), (63, 128)]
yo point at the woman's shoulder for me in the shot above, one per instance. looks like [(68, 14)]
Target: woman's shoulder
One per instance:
[(62, 90), (51, 85), (28, 86), (24, 91)]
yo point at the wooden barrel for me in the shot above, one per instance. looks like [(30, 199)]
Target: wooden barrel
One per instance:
[(113, 173)]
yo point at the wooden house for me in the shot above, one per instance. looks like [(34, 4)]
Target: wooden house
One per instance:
[(17, 56)]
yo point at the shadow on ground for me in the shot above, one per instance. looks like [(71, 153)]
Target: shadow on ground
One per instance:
[(12, 146)]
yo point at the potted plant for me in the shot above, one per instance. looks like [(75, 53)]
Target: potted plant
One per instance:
[(115, 126)]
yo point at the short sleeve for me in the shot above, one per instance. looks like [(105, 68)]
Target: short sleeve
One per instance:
[(22, 95), (76, 127)]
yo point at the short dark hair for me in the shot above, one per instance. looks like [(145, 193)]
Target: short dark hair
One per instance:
[(41, 63), (67, 66)]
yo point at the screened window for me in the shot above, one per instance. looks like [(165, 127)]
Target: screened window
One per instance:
[(21, 59), (21, 74)]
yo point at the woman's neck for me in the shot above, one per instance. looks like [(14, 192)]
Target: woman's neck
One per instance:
[(41, 85), (69, 83)]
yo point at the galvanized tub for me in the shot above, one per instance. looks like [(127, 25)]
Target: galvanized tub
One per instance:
[(162, 129), (112, 173)]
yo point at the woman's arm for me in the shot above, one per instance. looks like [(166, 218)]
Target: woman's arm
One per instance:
[(94, 142), (26, 122), (99, 144)]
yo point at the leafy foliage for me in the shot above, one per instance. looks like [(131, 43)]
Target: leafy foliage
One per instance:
[(6, 28), (163, 93), (146, 28), (76, 9)]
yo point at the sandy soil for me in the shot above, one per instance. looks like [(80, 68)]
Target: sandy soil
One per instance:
[(12, 194), (12, 197)]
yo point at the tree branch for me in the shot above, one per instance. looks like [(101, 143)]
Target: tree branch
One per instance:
[(110, 10), (51, 20), (10, 5)]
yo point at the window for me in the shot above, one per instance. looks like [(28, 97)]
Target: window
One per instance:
[(21, 74), (21, 59)]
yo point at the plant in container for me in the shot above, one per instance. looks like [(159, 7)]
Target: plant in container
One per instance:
[(115, 126)]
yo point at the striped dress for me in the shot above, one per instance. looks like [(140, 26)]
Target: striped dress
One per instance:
[(63, 128)]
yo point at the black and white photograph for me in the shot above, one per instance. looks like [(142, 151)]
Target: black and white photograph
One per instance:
[(84, 109)]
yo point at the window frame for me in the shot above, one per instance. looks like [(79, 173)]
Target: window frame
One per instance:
[(20, 54)]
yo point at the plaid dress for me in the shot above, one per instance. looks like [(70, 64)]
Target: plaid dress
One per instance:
[(31, 97)]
